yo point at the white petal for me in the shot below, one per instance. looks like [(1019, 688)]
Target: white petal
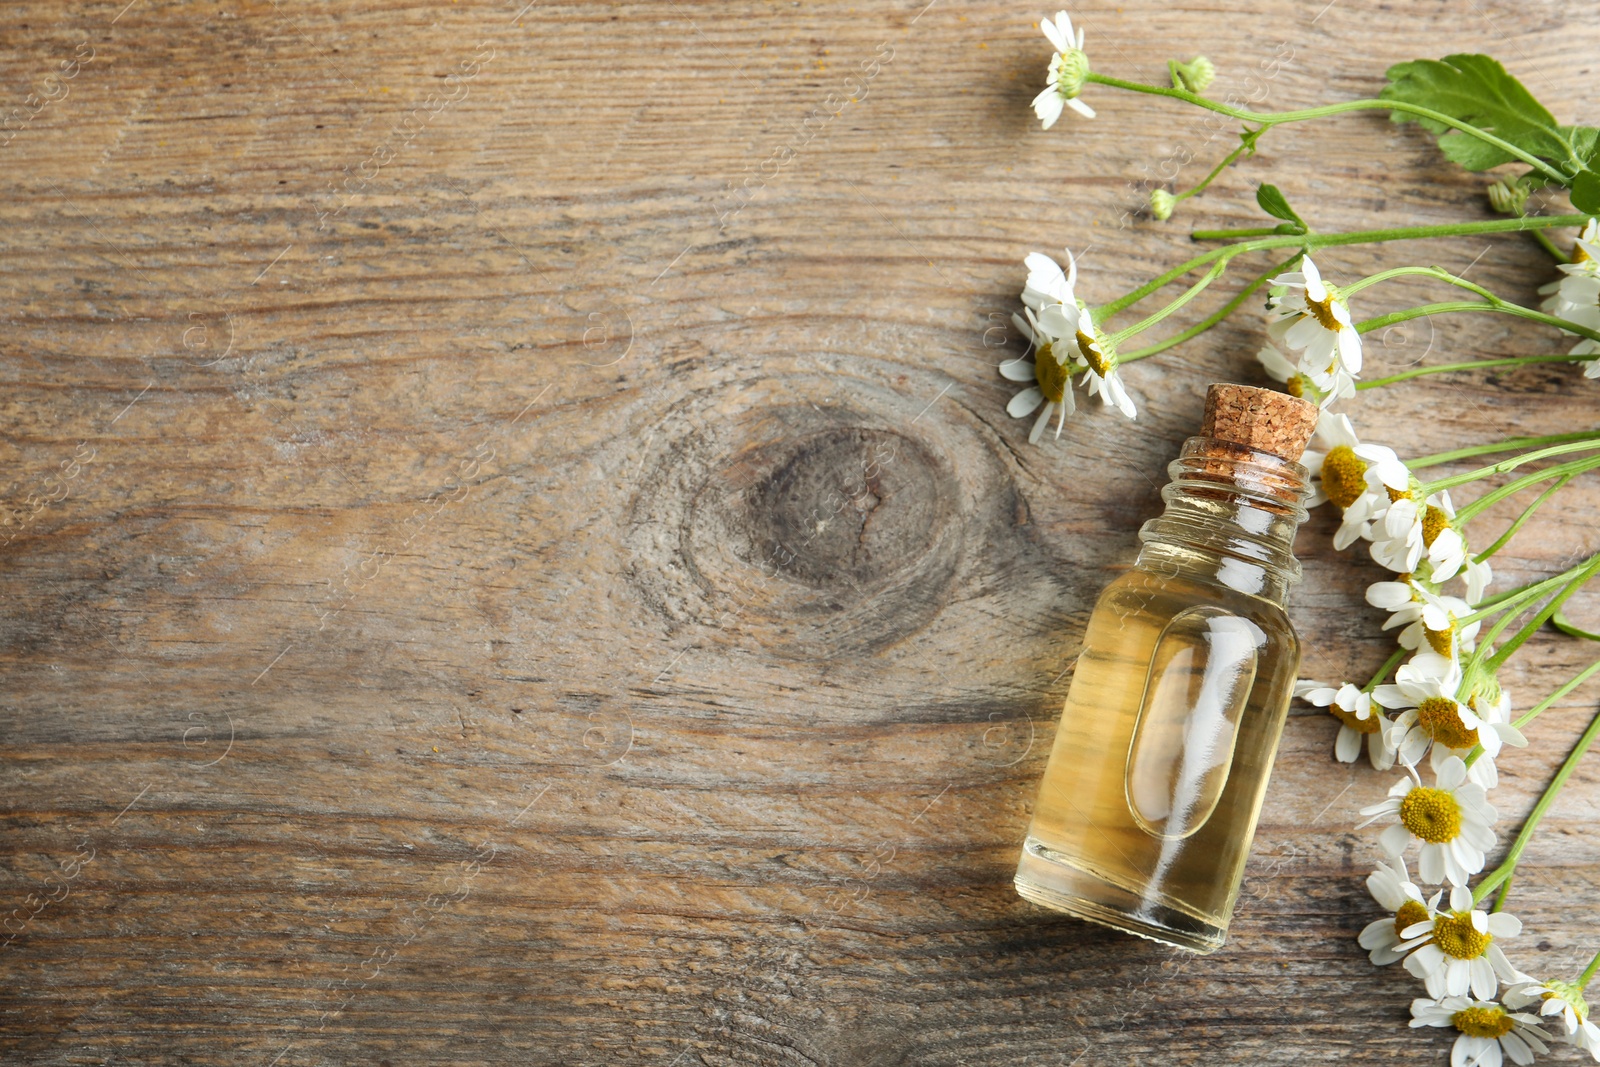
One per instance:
[(1039, 424), (1048, 106), (1024, 402), (1018, 370), (1060, 38), (1503, 924), (1484, 981), (1431, 863), (1347, 747), (1452, 774)]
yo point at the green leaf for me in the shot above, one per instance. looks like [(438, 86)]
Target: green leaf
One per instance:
[(1586, 192), (1477, 90), (1274, 203), (1585, 142)]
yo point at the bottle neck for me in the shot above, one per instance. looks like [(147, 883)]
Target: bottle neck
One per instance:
[(1230, 519)]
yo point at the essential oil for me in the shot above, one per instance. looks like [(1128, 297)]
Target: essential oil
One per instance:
[(1150, 798)]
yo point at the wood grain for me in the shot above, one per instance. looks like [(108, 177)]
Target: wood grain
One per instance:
[(539, 571)]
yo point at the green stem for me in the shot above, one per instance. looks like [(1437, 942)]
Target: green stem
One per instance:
[(1550, 246), (1533, 625), (1588, 972), (1248, 145), (1533, 713), (1505, 891), (1270, 119), (1527, 513), (1212, 319), (1507, 465), (1568, 686), (1468, 512), (1312, 241), (1223, 235), (1521, 594), (1510, 444), (1502, 306), (1401, 272), (1503, 872), (1156, 316), (1383, 672), (1475, 364)]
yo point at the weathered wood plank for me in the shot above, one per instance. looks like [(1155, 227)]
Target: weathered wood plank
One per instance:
[(538, 586)]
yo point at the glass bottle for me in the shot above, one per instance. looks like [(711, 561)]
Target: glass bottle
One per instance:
[(1150, 797)]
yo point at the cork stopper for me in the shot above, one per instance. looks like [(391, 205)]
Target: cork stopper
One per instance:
[(1262, 419)]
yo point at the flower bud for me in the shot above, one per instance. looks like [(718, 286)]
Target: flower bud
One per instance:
[(1195, 76), (1508, 198), (1162, 203)]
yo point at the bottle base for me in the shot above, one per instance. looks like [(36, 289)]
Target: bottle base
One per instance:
[(1045, 879)]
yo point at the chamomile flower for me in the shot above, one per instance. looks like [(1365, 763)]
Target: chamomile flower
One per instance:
[(1280, 368), (1457, 952), (1100, 375), (1358, 720), (1425, 616), (1494, 732), (1451, 821), (1394, 891), (1352, 475), (1558, 1002), (1404, 538), (1068, 69), (1447, 549), (1486, 1032), (1425, 688), (1310, 318), (1049, 370), (1401, 549)]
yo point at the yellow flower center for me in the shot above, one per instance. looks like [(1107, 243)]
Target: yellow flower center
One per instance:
[(1434, 523), (1578, 254), (1431, 815), (1483, 1022), (1344, 476), (1410, 914), (1089, 345), (1049, 373), (1440, 640), (1369, 725), (1322, 311), (1441, 717), (1397, 494), (1296, 385), (1456, 936)]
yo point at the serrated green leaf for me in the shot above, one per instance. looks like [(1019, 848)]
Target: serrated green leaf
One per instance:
[(1274, 203), (1476, 89)]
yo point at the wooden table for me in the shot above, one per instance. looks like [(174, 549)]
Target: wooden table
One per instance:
[(518, 556)]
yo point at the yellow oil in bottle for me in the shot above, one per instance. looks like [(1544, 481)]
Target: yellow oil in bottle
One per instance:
[(1148, 804), (1149, 800)]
